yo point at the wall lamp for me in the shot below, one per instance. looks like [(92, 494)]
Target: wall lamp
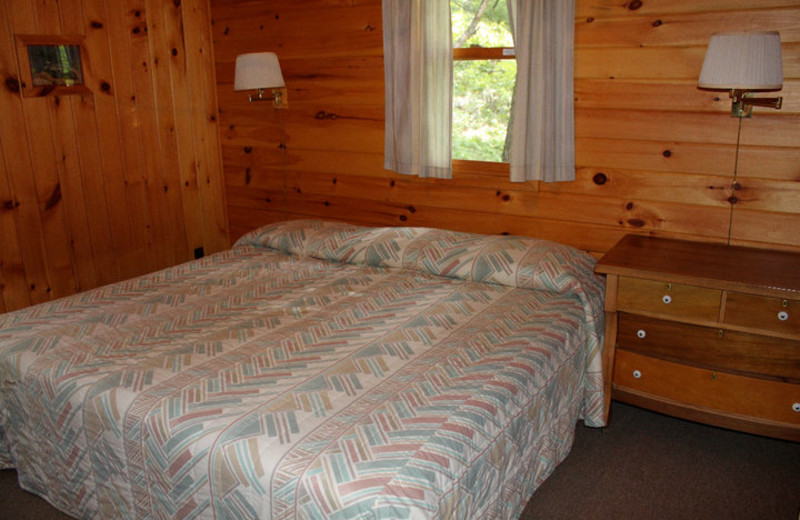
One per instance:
[(260, 71), (743, 62)]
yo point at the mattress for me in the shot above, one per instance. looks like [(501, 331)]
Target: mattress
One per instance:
[(314, 370)]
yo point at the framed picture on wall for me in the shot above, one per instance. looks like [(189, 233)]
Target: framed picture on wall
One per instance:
[(51, 65)]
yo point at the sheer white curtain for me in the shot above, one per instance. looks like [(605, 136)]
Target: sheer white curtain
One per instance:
[(543, 125), (418, 63)]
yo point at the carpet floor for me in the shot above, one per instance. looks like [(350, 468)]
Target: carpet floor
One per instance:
[(643, 466)]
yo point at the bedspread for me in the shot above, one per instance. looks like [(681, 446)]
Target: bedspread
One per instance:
[(314, 370)]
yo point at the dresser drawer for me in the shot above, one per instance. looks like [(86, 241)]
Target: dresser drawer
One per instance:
[(761, 312), (635, 294), (713, 348), (717, 391)]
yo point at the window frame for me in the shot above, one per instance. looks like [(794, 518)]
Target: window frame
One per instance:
[(483, 53)]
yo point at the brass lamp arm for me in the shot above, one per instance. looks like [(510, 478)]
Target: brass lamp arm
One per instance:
[(743, 102), (278, 96)]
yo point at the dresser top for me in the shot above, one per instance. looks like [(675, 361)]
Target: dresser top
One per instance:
[(705, 264)]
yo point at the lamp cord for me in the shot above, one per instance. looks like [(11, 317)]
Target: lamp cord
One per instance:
[(284, 161), (733, 200)]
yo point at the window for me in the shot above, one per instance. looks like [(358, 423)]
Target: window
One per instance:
[(418, 64), (484, 73), (51, 65)]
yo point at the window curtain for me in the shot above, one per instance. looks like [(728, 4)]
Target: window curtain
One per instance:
[(418, 65), (543, 121)]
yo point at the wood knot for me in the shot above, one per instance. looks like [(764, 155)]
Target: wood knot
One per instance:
[(636, 222), (636, 4), (733, 199), (657, 23), (325, 115), (600, 178), (12, 84), (590, 19), (667, 153), (105, 86)]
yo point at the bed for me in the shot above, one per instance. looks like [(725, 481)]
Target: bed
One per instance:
[(314, 370)]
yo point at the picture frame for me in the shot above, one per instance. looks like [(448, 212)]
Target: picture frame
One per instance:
[(52, 65)]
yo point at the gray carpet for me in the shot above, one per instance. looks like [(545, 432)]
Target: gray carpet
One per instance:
[(644, 466)]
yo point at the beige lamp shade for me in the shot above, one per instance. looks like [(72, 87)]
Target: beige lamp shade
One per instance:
[(257, 70), (743, 61)]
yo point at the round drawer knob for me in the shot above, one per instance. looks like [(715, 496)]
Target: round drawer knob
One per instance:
[(796, 407), (783, 315), (641, 334), (637, 374), (667, 299)]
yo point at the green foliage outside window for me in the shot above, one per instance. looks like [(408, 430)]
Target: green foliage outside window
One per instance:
[(482, 89)]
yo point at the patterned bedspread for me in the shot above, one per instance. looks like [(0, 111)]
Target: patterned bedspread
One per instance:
[(315, 370)]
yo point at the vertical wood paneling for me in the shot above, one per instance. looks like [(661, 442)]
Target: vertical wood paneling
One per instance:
[(167, 150), (117, 27), (108, 179), (211, 219), (148, 139), (122, 179), (13, 289), (655, 154), (19, 171)]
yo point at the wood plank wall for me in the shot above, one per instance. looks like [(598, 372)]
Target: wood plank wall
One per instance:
[(120, 180), (655, 154)]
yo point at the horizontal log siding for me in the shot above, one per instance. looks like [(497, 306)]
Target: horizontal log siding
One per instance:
[(655, 154)]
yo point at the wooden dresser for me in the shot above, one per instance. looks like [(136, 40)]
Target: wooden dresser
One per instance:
[(707, 332)]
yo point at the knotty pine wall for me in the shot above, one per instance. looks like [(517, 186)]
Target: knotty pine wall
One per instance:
[(655, 155), (123, 179)]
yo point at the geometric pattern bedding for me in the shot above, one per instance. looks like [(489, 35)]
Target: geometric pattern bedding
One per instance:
[(314, 370)]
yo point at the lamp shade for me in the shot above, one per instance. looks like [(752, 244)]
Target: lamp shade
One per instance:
[(744, 61), (257, 70)]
